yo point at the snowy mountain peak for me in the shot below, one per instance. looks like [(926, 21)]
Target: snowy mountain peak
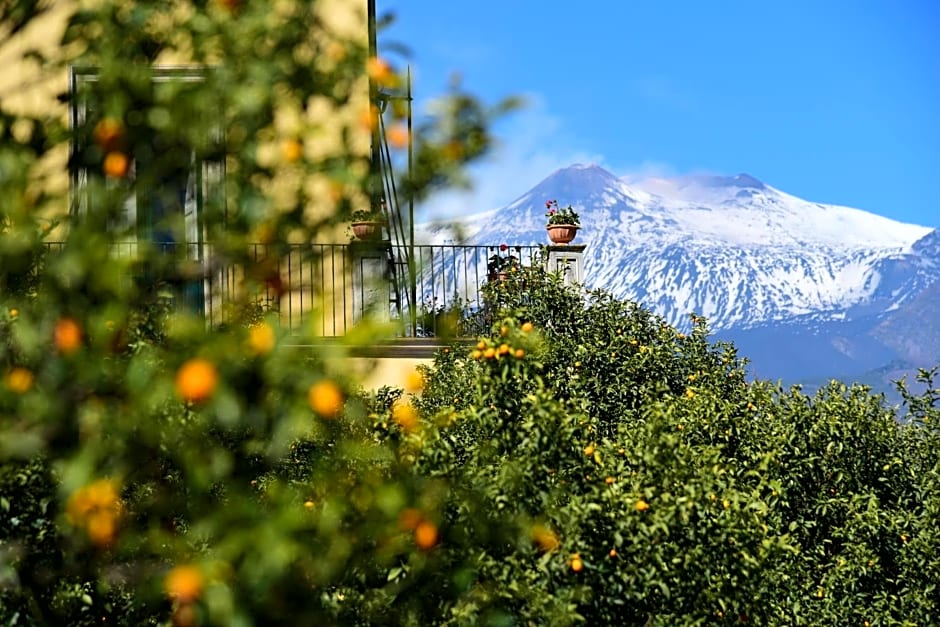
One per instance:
[(585, 187), (577, 181), (746, 180), (732, 248)]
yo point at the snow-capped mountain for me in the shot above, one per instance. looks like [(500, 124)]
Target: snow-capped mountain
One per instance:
[(733, 249)]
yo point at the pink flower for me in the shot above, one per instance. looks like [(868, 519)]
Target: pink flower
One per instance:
[(503, 247)]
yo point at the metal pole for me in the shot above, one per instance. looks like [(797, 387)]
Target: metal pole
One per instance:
[(411, 214), (374, 153)]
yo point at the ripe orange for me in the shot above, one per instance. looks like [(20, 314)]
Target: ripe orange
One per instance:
[(325, 398), (19, 380), (520, 353), (642, 506), (369, 118), (613, 553), (184, 583), (589, 450), (489, 353), (481, 344), (102, 527), (503, 331), (108, 134), (67, 335), (196, 380), (116, 165), (97, 508), (101, 494), (576, 564), (503, 349), (425, 535), (292, 150), (476, 354), (381, 72), (398, 136), (14, 312), (609, 480), (261, 338), (308, 504), (527, 327), (405, 415)]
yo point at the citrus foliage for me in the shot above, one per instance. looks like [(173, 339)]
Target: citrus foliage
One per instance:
[(624, 472), (154, 467)]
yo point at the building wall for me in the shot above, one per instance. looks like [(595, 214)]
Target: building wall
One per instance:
[(32, 88), (391, 371)]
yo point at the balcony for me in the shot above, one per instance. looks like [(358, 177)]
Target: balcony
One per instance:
[(326, 289)]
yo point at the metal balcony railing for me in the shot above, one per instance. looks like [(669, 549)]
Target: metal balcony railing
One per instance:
[(328, 288)]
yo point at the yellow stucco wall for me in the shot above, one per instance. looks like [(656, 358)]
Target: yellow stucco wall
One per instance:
[(26, 86), (392, 371), (29, 88)]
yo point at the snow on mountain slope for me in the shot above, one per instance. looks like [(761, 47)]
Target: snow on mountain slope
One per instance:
[(755, 213), (731, 248)]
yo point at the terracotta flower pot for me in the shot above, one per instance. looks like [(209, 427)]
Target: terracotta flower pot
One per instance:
[(368, 231), (562, 233)]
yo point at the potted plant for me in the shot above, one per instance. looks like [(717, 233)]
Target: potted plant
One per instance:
[(367, 225), (499, 266), (563, 224)]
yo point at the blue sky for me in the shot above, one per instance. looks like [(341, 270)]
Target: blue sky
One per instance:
[(835, 101)]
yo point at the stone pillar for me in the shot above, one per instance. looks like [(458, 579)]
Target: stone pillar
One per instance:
[(569, 261), (371, 285)]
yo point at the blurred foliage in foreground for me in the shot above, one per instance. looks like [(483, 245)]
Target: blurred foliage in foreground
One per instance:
[(583, 462)]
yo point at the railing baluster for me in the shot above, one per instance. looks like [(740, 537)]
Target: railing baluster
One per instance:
[(345, 274), (446, 275)]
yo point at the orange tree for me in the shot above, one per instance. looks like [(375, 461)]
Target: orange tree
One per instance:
[(623, 472), (153, 467)]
